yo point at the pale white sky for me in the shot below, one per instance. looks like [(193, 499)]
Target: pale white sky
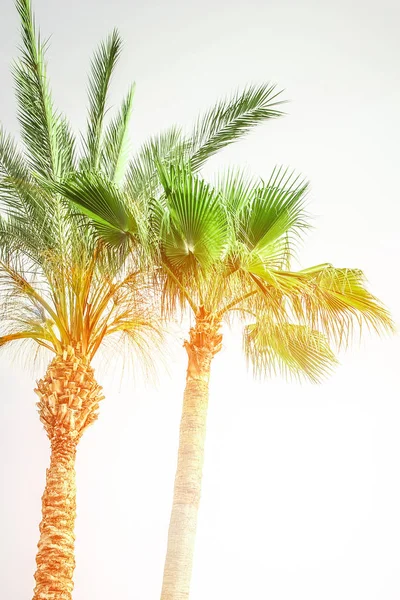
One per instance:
[(301, 484)]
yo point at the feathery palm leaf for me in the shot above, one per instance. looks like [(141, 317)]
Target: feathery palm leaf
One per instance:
[(292, 350), (169, 147), (47, 136), (231, 119), (116, 147), (223, 124), (103, 65), (333, 300)]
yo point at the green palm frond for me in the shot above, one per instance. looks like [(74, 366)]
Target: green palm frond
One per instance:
[(102, 67), (66, 147), (116, 146), (274, 211), (231, 119), (268, 220), (272, 220), (295, 351), (236, 187), (16, 238), (49, 142), (15, 178), (101, 201), (142, 181), (26, 206), (195, 231), (13, 166)]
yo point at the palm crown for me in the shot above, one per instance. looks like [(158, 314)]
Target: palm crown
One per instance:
[(59, 286), (226, 250)]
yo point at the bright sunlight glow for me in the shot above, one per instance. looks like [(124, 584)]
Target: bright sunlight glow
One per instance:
[(301, 489)]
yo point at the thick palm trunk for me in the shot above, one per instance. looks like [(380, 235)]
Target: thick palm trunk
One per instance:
[(69, 397), (55, 558), (204, 343)]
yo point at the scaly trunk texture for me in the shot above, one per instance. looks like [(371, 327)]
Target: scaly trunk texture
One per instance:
[(69, 399), (204, 343)]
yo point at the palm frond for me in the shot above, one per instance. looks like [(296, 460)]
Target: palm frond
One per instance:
[(104, 204), (335, 301), (115, 147), (35, 335), (231, 119), (338, 302), (27, 309), (236, 187), (102, 67), (15, 178), (296, 351), (272, 220), (12, 163), (49, 142), (194, 232), (142, 181)]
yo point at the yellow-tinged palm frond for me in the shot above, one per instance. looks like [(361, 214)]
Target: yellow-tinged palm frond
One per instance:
[(333, 300), (76, 304), (340, 303), (296, 351)]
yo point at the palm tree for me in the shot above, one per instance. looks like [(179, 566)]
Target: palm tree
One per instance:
[(223, 252), (62, 289), (227, 251)]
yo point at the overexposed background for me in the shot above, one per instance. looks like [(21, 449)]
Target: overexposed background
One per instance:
[(301, 483)]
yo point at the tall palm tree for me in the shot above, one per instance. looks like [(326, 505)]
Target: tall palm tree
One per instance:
[(227, 251), (222, 252), (60, 288)]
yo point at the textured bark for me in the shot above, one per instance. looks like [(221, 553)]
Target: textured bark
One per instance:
[(69, 399), (204, 343), (55, 558)]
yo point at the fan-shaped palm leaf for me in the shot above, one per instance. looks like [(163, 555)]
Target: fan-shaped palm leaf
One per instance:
[(196, 224)]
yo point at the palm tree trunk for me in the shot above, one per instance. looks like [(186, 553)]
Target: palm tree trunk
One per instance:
[(204, 343), (69, 399), (56, 559)]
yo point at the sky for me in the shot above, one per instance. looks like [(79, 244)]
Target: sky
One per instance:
[(301, 489)]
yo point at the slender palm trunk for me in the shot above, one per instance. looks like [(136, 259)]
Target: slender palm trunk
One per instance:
[(69, 397), (204, 343)]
